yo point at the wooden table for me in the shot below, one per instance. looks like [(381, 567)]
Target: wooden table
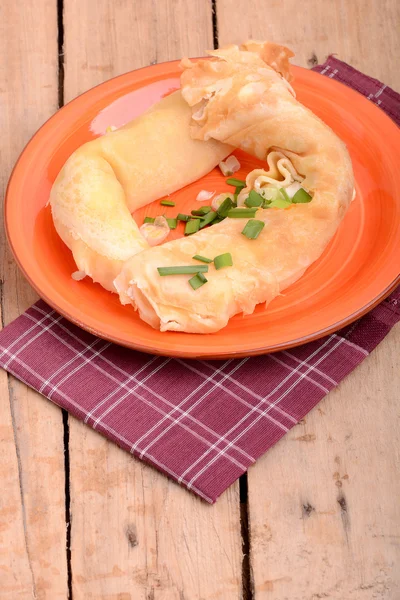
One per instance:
[(318, 516)]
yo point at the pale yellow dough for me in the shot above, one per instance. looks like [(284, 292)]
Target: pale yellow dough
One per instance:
[(108, 178), (238, 99)]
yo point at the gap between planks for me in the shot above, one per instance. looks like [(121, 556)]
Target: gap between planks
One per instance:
[(247, 582), (247, 585), (65, 416), (214, 23)]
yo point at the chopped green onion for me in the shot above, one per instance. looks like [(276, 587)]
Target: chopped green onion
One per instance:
[(182, 217), (218, 220), (167, 203), (254, 199), (253, 228), (202, 258), (279, 203), (197, 281), (149, 220), (201, 211), (285, 194), (236, 182), (209, 218), (242, 213), (266, 203), (238, 189), (223, 209), (192, 226), (172, 223), (223, 260), (186, 270), (301, 197), (270, 193)]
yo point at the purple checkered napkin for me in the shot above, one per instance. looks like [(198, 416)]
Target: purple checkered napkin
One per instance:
[(203, 423)]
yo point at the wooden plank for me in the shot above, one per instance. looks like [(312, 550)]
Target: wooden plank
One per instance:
[(121, 36), (135, 535), (323, 503), (323, 510), (363, 33), (32, 499), (138, 536)]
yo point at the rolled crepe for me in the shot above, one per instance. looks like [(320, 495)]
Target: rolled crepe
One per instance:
[(239, 99), (108, 178)]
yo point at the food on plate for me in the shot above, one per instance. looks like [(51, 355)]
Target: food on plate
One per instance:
[(278, 222), (108, 178)]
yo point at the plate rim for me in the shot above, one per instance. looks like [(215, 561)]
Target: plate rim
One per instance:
[(175, 352)]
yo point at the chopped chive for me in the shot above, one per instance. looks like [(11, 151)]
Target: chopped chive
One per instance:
[(253, 228), (301, 197), (167, 203), (208, 218), (218, 220), (238, 189), (197, 281), (271, 193), (149, 220), (224, 207), (242, 213), (201, 211), (202, 258), (223, 260), (172, 223), (285, 194), (185, 270), (182, 217), (254, 199), (192, 226), (279, 203), (266, 203), (236, 182)]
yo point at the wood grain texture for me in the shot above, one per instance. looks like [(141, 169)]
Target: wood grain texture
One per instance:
[(32, 498), (364, 33), (138, 536), (120, 36), (135, 535), (324, 502)]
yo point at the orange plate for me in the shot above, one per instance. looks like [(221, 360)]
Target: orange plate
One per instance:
[(358, 269)]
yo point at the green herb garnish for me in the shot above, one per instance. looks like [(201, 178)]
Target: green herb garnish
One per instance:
[(223, 260), (254, 199), (236, 194), (185, 270), (253, 228), (301, 197), (285, 194), (279, 203), (208, 218), (242, 213), (192, 226), (202, 258), (201, 211), (172, 223), (224, 207), (197, 281), (236, 182), (167, 203)]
